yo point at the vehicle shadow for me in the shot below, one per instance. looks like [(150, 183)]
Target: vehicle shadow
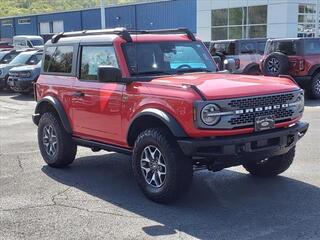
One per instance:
[(222, 205), (22, 97), (312, 103), (7, 93)]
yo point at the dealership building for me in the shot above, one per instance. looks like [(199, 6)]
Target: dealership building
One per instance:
[(209, 19)]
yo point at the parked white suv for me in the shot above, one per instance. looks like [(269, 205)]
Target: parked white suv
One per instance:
[(26, 41)]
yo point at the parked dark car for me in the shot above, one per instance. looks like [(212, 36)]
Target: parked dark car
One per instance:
[(247, 53), (21, 79), (297, 57)]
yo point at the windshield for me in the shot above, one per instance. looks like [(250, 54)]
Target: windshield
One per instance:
[(2, 54), (8, 58), (20, 59), (167, 58), (36, 42)]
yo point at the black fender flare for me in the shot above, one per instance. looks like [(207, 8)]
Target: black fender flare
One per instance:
[(57, 105), (249, 66), (163, 116), (314, 69)]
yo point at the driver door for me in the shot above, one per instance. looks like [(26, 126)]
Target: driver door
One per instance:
[(96, 105)]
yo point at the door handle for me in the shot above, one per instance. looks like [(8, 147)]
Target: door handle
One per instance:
[(78, 94)]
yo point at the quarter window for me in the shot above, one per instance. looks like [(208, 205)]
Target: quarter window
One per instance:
[(93, 57), (58, 59)]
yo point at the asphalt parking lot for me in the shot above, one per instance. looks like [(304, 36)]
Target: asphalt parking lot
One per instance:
[(97, 197)]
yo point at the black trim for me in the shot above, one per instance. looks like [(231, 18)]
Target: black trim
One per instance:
[(274, 142), (98, 145), (56, 104), (303, 81), (166, 118), (314, 69), (118, 31), (197, 90)]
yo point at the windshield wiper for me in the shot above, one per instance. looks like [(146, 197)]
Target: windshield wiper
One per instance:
[(151, 73), (189, 70)]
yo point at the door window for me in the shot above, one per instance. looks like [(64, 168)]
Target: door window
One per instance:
[(58, 59), (93, 57)]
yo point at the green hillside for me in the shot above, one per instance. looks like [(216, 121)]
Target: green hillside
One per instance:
[(24, 7)]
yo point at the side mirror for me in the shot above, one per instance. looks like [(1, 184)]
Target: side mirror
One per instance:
[(109, 74), (230, 65)]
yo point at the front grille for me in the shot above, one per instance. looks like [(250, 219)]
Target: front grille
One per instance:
[(261, 101), (13, 74), (248, 119)]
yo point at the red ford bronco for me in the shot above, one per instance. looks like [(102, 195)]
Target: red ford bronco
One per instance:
[(155, 95), (297, 57)]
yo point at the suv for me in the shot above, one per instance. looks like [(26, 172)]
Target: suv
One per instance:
[(21, 79), (297, 57), (247, 53), (23, 58), (155, 95)]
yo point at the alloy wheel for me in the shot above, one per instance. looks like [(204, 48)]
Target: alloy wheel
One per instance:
[(273, 65), (317, 86), (153, 166), (50, 140)]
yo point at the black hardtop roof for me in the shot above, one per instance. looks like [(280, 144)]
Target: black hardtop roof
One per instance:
[(240, 40), (292, 39)]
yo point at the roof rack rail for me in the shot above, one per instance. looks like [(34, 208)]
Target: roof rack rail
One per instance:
[(166, 31), (118, 31), (123, 32)]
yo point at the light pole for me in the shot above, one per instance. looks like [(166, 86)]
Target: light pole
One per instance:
[(103, 14)]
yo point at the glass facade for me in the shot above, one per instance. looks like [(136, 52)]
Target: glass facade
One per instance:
[(242, 22), (307, 20)]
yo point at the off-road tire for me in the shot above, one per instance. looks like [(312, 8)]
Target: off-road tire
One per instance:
[(272, 166), (179, 169), (254, 70), (280, 62), (66, 149), (315, 87)]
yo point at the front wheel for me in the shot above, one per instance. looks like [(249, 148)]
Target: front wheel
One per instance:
[(162, 171), (272, 166), (56, 145), (315, 87)]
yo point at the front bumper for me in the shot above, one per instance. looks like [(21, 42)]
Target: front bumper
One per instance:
[(20, 85), (257, 145)]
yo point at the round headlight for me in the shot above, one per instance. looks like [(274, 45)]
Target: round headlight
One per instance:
[(300, 101), (208, 114)]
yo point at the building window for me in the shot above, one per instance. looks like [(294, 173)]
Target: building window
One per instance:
[(7, 22), (24, 21), (242, 22), (57, 26), (307, 20), (44, 28)]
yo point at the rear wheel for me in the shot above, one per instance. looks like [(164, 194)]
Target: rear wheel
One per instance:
[(56, 145), (315, 87), (271, 167), (162, 171)]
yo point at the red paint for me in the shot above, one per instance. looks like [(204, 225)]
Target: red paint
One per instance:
[(106, 109)]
